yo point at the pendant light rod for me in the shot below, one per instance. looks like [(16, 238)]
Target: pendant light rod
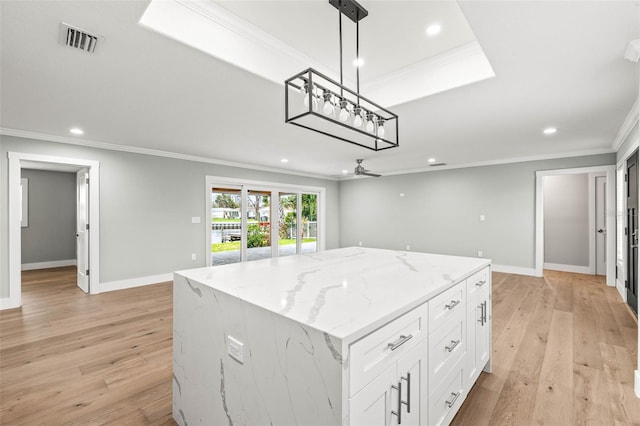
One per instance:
[(358, 60), (340, 31)]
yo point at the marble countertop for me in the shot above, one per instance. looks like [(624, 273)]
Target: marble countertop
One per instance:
[(345, 292)]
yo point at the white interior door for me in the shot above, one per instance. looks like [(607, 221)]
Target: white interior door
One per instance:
[(601, 225), (82, 229)]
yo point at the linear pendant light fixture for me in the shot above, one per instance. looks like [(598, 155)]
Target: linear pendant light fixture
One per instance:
[(318, 103)]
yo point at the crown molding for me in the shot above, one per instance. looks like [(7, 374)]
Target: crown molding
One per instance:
[(153, 152), (627, 125), (496, 162)]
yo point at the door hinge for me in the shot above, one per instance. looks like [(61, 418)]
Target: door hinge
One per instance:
[(87, 226), (87, 181), (87, 272), (626, 284), (625, 177), (625, 230)]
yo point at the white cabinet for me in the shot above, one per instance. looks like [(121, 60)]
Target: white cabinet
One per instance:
[(395, 397), (478, 325), (419, 368), (447, 353), (388, 373)]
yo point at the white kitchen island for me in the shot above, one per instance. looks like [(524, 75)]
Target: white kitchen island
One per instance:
[(341, 337)]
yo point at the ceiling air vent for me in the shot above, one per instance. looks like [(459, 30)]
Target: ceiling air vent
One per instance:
[(77, 38)]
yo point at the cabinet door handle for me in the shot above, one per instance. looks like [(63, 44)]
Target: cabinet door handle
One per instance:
[(401, 341), (453, 345), (484, 312), (481, 307), (399, 412), (452, 305), (481, 283), (408, 401), (453, 400)]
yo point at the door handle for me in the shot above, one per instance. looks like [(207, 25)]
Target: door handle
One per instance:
[(602, 231), (399, 412)]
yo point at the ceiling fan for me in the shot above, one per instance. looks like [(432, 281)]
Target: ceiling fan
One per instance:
[(361, 171)]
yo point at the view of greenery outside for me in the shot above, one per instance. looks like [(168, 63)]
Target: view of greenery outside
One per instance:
[(258, 232)]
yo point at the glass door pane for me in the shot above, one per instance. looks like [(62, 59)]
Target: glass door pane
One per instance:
[(287, 221), (226, 226), (309, 206), (258, 225)]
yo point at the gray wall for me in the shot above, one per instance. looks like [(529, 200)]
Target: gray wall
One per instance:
[(566, 219), (440, 210), (146, 205), (632, 137), (52, 217)]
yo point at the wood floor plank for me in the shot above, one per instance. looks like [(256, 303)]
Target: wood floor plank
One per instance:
[(554, 398)]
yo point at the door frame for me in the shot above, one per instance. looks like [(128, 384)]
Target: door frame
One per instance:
[(19, 160), (610, 171)]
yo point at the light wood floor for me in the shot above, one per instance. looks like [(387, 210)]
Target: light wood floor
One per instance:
[(564, 353)]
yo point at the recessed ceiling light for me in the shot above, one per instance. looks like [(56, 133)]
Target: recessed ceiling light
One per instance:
[(550, 130), (284, 160), (358, 62), (431, 160), (433, 29), (76, 131)]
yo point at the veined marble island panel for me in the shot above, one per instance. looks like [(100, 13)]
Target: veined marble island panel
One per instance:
[(295, 318)]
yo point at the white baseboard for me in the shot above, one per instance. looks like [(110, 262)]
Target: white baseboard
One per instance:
[(518, 270), (46, 265), (9, 303), (637, 383), (568, 268), (134, 282)]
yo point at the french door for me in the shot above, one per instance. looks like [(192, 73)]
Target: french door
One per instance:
[(252, 221)]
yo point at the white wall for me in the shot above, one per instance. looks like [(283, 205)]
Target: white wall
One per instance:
[(440, 210), (566, 219), (146, 205)]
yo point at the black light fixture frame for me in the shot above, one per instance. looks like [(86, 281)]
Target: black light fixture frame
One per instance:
[(315, 85)]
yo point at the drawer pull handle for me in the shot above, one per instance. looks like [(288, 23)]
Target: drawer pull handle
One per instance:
[(481, 283), (453, 345), (401, 341), (452, 305), (453, 400), (484, 312), (481, 320)]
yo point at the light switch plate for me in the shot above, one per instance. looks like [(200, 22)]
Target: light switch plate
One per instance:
[(195, 219)]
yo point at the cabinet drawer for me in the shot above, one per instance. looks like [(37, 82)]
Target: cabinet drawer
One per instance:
[(372, 354), (478, 282), (444, 404), (447, 346), (446, 305)]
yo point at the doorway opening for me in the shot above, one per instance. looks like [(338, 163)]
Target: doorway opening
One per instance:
[(597, 246), (87, 208)]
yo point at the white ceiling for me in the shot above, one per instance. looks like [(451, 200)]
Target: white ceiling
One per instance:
[(556, 63)]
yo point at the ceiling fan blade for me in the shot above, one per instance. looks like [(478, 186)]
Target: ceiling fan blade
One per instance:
[(371, 174)]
